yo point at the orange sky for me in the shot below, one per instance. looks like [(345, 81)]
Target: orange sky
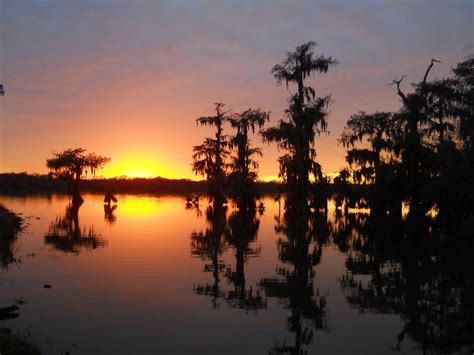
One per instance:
[(127, 80)]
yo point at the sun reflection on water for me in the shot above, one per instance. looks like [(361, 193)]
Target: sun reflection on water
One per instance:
[(143, 205)]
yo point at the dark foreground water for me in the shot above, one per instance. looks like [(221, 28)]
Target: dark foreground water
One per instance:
[(155, 277)]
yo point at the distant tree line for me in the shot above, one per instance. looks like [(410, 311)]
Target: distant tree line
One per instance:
[(23, 183)]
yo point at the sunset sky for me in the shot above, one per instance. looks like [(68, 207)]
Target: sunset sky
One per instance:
[(127, 79)]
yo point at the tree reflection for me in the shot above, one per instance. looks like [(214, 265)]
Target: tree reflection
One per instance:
[(65, 233), (109, 215), (300, 250), (419, 270), (194, 205), (239, 232), (10, 226), (209, 246), (7, 253)]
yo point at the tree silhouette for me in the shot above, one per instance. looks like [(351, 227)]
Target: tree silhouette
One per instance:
[(464, 87), (306, 116), (71, 164), (377, 166), (422, 154), (209, 158), (244, 168), (412, 116), (342, 190)]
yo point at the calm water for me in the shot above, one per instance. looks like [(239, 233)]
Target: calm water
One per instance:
[(155, 277)]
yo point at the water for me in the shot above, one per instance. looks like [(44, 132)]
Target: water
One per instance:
[(155, 277)]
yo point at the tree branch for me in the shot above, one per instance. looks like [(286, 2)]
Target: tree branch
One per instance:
[(428, 70), (397, 82)]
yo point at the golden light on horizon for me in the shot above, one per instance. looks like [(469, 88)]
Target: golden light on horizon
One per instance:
[(269, 178), (135, 168), (140, 165)]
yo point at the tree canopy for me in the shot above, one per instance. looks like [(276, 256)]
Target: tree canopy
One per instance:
[(209, 158), (72, 164), (244, 167), (306, 116), (421, 154)]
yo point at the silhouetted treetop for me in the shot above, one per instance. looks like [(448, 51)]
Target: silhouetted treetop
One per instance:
[(302, 63), (216, 120), (209, 158), (306, 116), (243, 123), (249, 120), (372, 127), (71, 164), (74, 162), (244, 167)]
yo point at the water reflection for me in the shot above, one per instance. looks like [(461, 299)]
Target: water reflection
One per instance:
[(194, 206), (10, 226), (420, 270), (263, 278), (65, 233), (7, 252), (238, 232), (241, 235), (209, 246), (109, 214), (415, 269), (299, 250)]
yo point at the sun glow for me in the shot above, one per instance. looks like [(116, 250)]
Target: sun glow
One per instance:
[(132, 169), (140, 172), (137, 165), (269, 178), (145, 165)]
